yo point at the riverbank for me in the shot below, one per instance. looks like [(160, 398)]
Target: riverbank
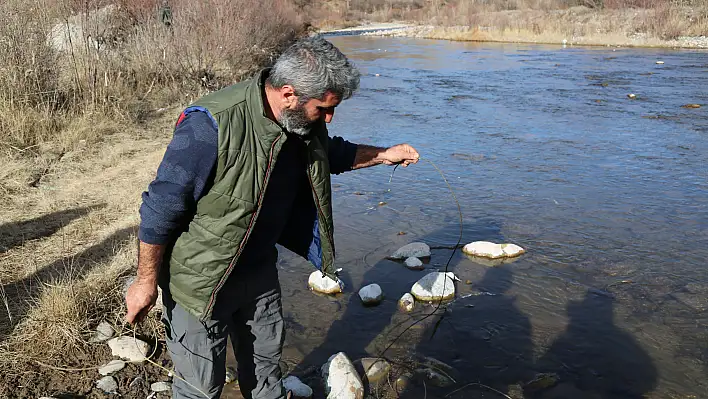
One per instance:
[(684, 28)]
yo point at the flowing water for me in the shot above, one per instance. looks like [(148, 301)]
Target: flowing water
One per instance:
[(544, 149)]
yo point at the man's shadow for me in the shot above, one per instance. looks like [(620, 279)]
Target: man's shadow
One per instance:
[(366, 332), (597, 356)]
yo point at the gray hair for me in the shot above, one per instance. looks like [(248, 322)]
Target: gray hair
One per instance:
[(314, 66)]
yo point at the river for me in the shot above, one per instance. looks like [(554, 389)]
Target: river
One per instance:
[(544, 149)]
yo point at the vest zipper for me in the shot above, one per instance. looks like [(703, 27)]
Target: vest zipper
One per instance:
[(251, 224)]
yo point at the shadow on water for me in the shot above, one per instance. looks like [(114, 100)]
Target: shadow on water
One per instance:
[(20, 294), (598, 356)]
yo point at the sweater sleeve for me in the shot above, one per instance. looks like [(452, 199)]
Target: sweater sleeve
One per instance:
[(341, 155), (183, 177)]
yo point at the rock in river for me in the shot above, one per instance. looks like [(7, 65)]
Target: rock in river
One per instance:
[(371, 294), (435, 286), (412, 250), (321, 283), (129, 348), (373, 370), (294, 385), (414, 264), (491, 250), (341, 379), (406, 303)]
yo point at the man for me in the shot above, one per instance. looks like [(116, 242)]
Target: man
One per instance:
[(248, 167)]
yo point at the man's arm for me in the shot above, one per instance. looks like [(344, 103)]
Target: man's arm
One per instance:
[(367, 156), (182, 178)]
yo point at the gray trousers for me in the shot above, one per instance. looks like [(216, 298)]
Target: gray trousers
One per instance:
[(249, 310)]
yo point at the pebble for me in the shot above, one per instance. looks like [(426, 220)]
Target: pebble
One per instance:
[(104, 332), (435, 286), (373, 370), (414, 264), (492, 250), (107, 385), (319, 282), (632, 96), (371, 294), (111, 367), (406, 303), (294, 385), (160, 386), (412, 250), (129, 348), (403, 382), (231, 375), (341, 378)]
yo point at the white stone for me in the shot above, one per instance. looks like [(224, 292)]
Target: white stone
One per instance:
[(491, 250), (660, 62), (294, 385), (129, 348), (407, 302), (341, 379), (111, 367), (371, 294), (160, 386), (414, 264), (373, 370), (320, 283), (412, 250), (104, 332), (435, 286), (107, 385)]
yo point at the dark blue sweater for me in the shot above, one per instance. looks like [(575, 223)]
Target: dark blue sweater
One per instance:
[(186, 174)]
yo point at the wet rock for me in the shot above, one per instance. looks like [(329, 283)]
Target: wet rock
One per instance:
[(412, 250), (373, 370), (406, 303), (341, 379), (691, 106), (414, 264), (231, 375), (403, 382), (632, 96), (371, 294), (436, 364), (161, 386), (129, 348), (541, 381), (435, 378), (104, 332), (107, 385), (697, 302), (491, 250), (294, 385), (435, 286), (111, 367), (321, 283)]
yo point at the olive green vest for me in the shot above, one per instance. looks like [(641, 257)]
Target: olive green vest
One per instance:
[(249, 142)]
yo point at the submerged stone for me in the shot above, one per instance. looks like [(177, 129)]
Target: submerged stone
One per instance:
[(371, 294), (414, 264), (412, 250), (492, 250), (435, 286), (341, 379), (541, 381), (319, 282), (373, 370)]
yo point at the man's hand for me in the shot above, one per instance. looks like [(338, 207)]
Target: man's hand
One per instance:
[(402, 154), (139, 299)]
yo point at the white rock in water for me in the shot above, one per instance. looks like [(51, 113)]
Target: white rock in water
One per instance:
[(414, 264), (371, 294), (129, 348), (412, 250), (104, 332), (491, 250), (160, 387), (660, 62), (407, 302), (320, 283), (107, 385), (294, 385), (373, 370), (112, 367), (435, 286), (341, 379)]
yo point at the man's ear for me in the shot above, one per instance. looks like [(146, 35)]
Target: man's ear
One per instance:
[(288, 95)]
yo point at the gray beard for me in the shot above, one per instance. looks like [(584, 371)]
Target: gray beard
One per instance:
[(295, 121)]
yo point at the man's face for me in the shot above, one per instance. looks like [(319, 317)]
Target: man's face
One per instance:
[(301, 117)]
